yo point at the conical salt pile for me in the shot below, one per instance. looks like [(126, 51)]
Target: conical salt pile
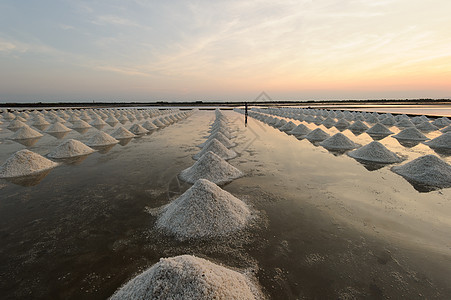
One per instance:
[(204, 211), (80, 124), (404, 123), (39, 121), (158, 123), (14, 125), (70, 148), (138, 129), (358, 126), (338, 142), (218, 148), (341, 124), (149, 126), (375, 152), (222, 130), (25, 132), (212, 167), (25, 162), (122, 133), (188, 277), (410, 134), (446, 129), (317, 135), (102, 139), (220, 137), (426, 127), (300, 130), (429, 170), (288, 127), (57, 127), (441, 142), (441, 122), (379, 129)]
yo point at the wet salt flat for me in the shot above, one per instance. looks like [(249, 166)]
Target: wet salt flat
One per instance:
[(325, 225)]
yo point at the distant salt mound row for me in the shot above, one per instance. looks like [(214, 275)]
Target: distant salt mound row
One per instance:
[(218, 148), (188, 277), (220, 137), (211, 167), (300, 130), (138, 129), (428, 170), (25, 132), (70, 148), (25, 162), (122, 133), (57, 127), (410, 134), (379, 129), (441, 142), (317, 135), (375, 152), (102, 139), (338, 142), (204, 211)]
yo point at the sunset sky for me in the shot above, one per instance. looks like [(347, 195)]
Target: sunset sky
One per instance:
[(138, 50)]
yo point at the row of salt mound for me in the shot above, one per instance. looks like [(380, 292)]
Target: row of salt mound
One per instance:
[(70, 148), (375, 152), (188, 277), (221, 138), (218, 148), (25, 162)]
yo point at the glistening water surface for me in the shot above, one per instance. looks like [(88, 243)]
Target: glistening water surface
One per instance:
[(328, 228)]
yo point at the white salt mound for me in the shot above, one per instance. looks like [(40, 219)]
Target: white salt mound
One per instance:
[(80, 124), (338, 142), (218, 148), (102, 139), (379, 129), (122, 133), (212, 167), (138, 129), (411, 134), (149, 125), (25, 162), (204, 211), (375, 152), (317, 135), (358, 126), (70, 148), (441, 142), (57, 127), (188, 277), (25, 132), (429, 170), (288, 127)]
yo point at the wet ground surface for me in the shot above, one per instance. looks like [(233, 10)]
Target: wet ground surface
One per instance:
[(328, 228)]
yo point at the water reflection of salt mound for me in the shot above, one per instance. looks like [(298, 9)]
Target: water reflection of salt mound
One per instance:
[(25, 162), (317, 135), (102, 139), (218, 148), (411, 134), (188, 277), (427, 170), (220, 137), (212, 167), (70, 148), (338, 142), (122, 133), (441, 142), (25, 132), (300, 130), (375, 152), (204, 211)]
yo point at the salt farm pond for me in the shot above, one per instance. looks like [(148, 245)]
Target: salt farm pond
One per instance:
[(307, 223)]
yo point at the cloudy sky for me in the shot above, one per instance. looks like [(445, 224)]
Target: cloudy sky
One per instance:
[(146, 50)]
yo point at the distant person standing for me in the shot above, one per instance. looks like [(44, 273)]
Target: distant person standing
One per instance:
[(245, 114)]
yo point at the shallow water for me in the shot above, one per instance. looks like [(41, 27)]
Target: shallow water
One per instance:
[(328, 227)]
